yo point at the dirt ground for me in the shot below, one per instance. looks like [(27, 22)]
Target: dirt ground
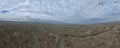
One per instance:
[(32, 35)]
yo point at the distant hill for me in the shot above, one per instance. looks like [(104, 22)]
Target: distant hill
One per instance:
[(38, 21)]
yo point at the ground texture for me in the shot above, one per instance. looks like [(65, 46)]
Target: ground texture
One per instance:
[(32, 35)]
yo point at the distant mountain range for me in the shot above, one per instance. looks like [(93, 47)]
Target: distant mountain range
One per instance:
[(46, 21), (34, 20)]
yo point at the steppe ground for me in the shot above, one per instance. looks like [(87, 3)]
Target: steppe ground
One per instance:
[(36, 35)]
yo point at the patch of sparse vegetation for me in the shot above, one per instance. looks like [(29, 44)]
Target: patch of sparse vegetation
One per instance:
[(32, 35)]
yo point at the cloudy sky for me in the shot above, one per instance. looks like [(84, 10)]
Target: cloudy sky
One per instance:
[(67, 11)]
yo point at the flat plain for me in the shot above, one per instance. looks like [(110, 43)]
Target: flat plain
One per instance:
[(38, 35)]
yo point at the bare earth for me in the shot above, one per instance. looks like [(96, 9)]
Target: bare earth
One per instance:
[(32, 35)]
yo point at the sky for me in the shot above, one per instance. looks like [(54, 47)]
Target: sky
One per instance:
[(66, 11)]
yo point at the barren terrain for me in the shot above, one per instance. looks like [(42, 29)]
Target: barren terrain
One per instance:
[(32, 35)]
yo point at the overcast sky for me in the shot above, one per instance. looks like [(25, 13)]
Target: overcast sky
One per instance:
[(67, 11)]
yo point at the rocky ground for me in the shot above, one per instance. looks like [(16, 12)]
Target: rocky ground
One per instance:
[(32, 35)]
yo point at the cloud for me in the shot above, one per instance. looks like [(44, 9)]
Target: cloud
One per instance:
[(3, 11), (68, 11)]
